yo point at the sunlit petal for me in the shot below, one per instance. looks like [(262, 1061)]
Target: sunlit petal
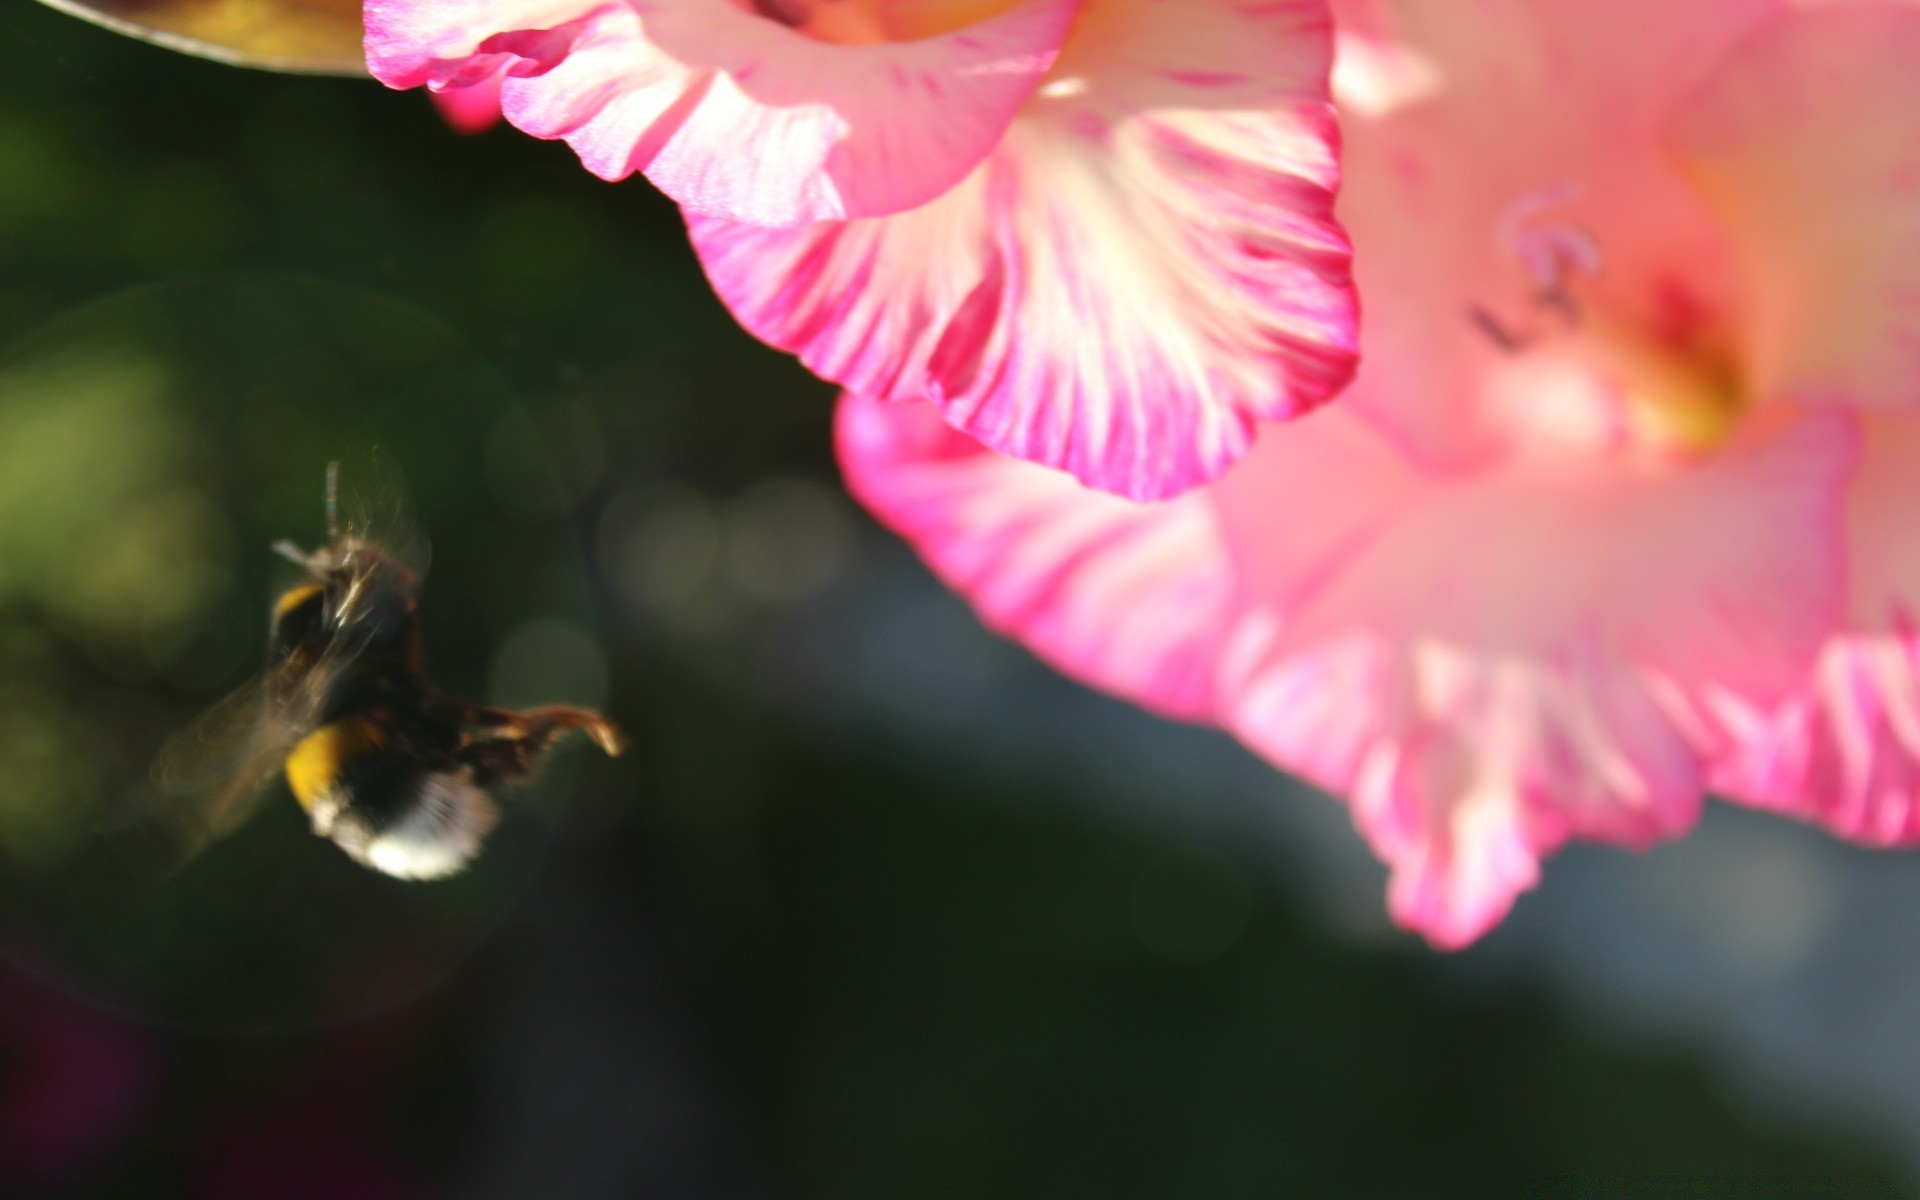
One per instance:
[(1145, 268), (1131, 598), (732, 113)]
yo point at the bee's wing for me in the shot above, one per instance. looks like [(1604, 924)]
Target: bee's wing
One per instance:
[(210, 776), (316, 36), (369, 503), (215, 770)]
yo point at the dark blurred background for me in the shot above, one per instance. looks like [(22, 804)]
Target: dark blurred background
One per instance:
[(875, 907)]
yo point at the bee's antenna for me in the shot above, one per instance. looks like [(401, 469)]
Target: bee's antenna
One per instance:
[(333, 500)]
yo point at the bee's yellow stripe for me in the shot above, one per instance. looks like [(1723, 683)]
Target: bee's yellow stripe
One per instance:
[(317, 761), (294, 597)]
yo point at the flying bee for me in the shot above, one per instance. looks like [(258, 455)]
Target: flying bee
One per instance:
[(395, 771)]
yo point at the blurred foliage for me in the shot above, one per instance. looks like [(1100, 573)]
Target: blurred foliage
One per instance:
[(739, 961)]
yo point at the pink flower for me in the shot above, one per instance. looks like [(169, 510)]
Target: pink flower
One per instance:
[(1601, 493), (1098, 234)]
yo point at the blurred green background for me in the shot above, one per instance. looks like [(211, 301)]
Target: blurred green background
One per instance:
[(747, 959)]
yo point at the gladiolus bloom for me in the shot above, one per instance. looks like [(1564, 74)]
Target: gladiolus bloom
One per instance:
[(1611, 513), (1097, 234)]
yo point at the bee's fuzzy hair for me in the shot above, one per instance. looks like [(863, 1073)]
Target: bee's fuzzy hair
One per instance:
[(438, 834)]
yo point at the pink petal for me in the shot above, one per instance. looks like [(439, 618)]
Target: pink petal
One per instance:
[(1883, 555), (1147, 265), (1482, 662), (1129, 598), (733, 114), (1465, 770), (1809, 143), (1485, 663), (471, 109)]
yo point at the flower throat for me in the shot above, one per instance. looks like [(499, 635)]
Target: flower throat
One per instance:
[(1674, 393)]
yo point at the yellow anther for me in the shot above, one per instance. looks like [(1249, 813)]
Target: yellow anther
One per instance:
[(1678, 400)]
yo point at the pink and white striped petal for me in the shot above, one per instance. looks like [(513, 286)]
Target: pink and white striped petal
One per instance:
[(1844, 754), (1808, 143), (1487, 664), (731, 113), (1129, 598), (1147, 266)]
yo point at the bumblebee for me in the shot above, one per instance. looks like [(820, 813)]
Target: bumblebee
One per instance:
[(395, 771)]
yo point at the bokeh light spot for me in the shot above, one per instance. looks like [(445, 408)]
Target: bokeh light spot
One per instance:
[(548, 661)]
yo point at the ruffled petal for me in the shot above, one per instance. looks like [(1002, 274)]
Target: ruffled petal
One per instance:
[(1465, 770), (1148, 265), (1808, 143), (1129, 598), (730, 113), (1844, 754), (1507, 762), (1487, 665)]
